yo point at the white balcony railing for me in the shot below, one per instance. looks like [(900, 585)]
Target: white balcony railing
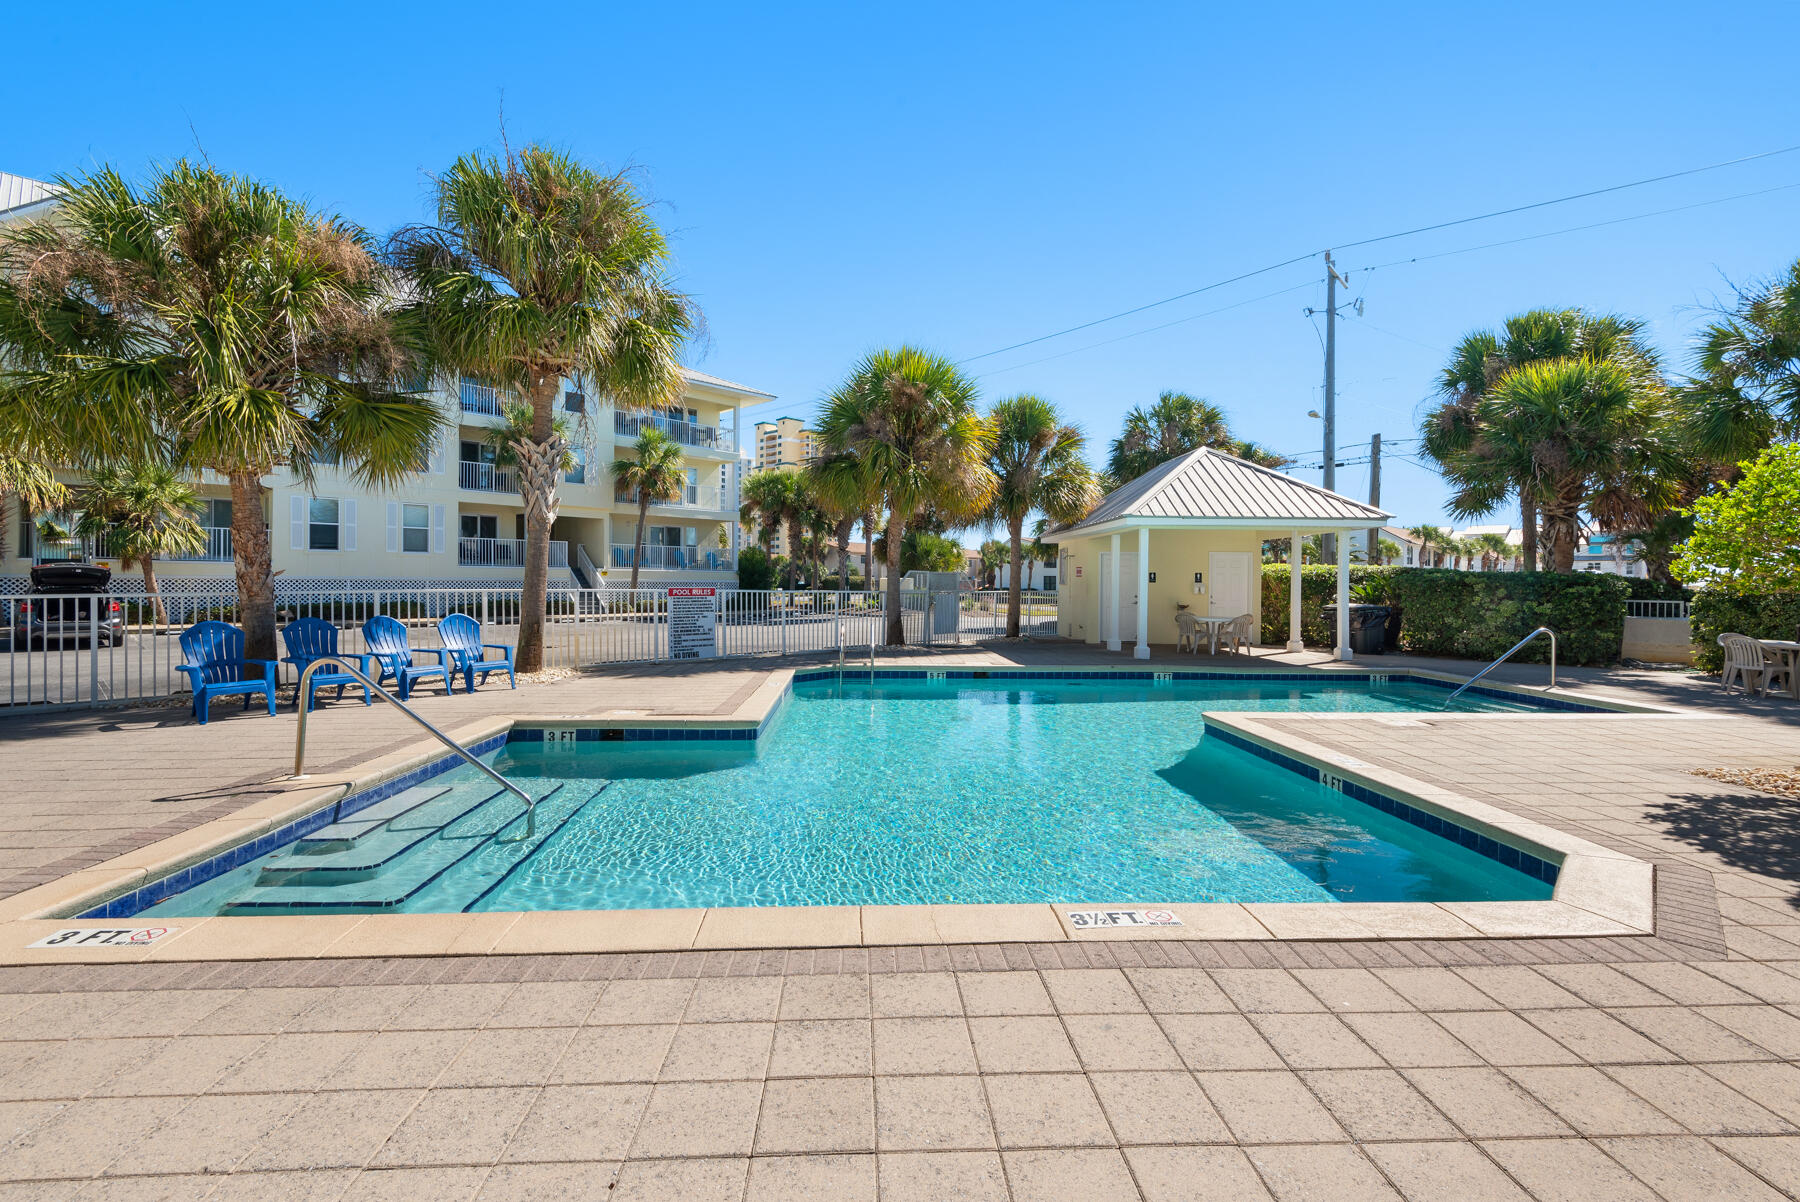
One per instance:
[(484, 477), (694, 559), (687, 434), (480, 398), (504, 553), (694, 496), (111, 546)]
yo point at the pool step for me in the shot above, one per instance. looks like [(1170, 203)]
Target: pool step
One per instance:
[(478, 830), (342, 833), (381, 845)]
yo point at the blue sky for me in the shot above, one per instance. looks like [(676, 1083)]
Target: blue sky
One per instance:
[(971, 176)]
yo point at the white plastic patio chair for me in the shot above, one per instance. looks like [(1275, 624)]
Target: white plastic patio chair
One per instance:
[(1192, 631), (1236, 634), (1748, 665)]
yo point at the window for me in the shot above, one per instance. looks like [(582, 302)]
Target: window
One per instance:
[(578, 473), (574, 402), (214, 513), (322, 525), (480, 525), (477, 452), (415, 527)]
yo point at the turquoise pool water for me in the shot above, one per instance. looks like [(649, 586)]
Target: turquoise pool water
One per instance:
[(894, 792)]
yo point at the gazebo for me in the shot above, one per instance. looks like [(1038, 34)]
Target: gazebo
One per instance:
[(1190, 534)]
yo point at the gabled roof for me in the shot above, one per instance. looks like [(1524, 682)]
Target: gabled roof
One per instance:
[(700, 377), (19, 194), (1209, 487)]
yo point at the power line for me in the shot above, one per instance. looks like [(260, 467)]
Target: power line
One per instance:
[(1239, 304), (1573, 229), (1383, 238)]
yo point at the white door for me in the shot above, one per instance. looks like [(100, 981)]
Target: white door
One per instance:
[(1228, 573), (1128, 585)]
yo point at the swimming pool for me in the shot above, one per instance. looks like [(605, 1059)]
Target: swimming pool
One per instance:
[(887, 791)]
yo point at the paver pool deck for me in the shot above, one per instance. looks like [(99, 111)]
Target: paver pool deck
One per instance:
[(1579, 1068)]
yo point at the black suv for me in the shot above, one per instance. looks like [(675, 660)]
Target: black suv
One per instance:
[(68, 601)]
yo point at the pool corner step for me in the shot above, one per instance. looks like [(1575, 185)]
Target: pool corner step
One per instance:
[(339, 835)]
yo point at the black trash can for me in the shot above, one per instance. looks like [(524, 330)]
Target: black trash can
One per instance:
[(1368, 627)]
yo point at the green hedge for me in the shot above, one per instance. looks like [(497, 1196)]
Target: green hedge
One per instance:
[(1767, 616), (1466, 615)]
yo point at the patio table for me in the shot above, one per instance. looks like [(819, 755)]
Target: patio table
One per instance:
[(1212, 622), (1788, 652)]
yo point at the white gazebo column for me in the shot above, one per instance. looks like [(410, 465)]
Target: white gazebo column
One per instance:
[(1112, 582), (1295, 642), (1143, 595), (1343, 598)]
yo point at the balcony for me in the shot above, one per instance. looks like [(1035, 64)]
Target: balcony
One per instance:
[(504, 553), (694, 496), (110, 546), (480, 398), (692, 559), (685, 433), (484, 477)]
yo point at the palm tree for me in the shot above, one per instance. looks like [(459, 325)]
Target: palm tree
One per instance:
[(1493, 549), (910, 416), (1453, 436), (1176, 424), (1432, 540), (655, 474), (846, 489), (1746, 391), (516, 420), (1037, 465), (779, 501), (147, 510), (541, 269), (33, 485), (207, 321), (993, 554), (1574, 434), (1037, 551), (1387, 550)]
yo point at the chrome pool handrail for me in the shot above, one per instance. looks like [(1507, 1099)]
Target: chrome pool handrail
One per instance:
[(440, 736), (1540, 630)]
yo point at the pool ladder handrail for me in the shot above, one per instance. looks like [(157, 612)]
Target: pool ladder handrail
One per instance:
[(1540, 630), (410, 712)]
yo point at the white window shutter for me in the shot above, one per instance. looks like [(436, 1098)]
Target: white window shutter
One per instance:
[(297, 523), (437, 529), (349, 520), (393, 525)]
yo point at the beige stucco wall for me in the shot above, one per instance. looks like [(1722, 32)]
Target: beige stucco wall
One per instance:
[(1175, 555), (1658, 640)]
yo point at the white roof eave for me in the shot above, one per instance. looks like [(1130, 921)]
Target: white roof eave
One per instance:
[(1276, 526)]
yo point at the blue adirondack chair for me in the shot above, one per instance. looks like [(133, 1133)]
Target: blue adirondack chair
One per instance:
[(386, 640), (308, 639), (461, 635), (216, 667)]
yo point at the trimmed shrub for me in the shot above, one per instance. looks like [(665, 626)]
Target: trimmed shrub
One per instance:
[(1769, 616), (1466, 615), (755, 569)]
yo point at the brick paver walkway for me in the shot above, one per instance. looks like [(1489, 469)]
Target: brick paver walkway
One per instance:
[(1585, 1069)]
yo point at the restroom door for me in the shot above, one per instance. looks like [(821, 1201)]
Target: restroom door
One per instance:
[(1230, 583), (1128, 585)]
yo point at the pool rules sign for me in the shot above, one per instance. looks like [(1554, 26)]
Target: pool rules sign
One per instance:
[(693, 623)]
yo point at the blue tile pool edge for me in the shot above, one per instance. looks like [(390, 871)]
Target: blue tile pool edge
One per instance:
[(142, 898), (1484, 845)]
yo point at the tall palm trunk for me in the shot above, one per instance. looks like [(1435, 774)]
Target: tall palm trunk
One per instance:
[(845, 528), (896, 623), (539, 460), (1528, 533), (1562, 529), (795, 549), (637, 547), (148, 563), (1015, 562), (250, 560), (868, 523)]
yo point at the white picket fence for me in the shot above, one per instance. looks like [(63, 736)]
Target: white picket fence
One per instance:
[(63, 651)]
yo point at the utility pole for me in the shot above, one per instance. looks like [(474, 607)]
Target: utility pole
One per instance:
[(1328, 544), (1373, 548)]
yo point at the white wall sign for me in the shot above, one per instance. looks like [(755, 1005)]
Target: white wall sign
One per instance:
[(693, 624), (104, 937), (1123, 918)]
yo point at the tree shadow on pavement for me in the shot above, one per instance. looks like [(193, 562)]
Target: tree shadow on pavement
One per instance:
[(1755, 832)]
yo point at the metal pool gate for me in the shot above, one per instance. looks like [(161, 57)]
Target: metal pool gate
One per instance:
[(64, 652)]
